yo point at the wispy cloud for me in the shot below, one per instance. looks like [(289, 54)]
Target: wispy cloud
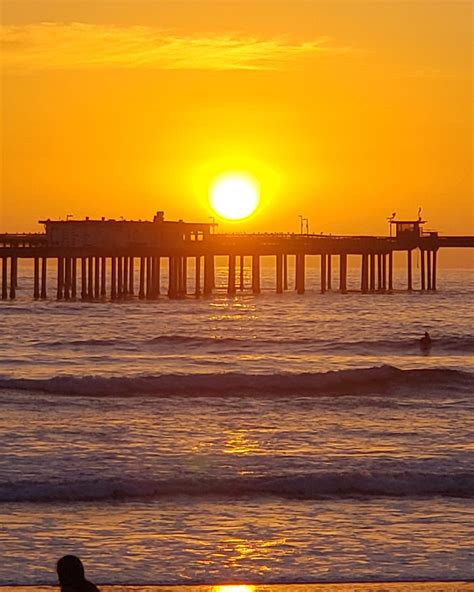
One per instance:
[(83, 45)]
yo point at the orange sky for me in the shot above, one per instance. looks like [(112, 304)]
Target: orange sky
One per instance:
[(346, 111)]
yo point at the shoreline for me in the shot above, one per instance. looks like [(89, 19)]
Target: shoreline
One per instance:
[(360, 586)]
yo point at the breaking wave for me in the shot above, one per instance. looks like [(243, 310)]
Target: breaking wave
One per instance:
[(306, 487), (445, 344), (364, 381)]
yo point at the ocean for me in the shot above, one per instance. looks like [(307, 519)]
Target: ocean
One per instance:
[(261, 439)]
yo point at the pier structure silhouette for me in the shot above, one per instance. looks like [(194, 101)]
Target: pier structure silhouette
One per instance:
[(98, 259)]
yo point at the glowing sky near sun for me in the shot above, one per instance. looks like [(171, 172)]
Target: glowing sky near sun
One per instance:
[(342, 111)]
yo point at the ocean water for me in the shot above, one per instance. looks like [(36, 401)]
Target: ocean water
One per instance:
[(270, 438)]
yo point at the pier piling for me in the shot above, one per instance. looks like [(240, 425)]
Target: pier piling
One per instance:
[(83, 278), (379, 272), (67, 278), (208, 274), (113, 278), (422, 270), (241, 272), (36, 280), (141, 285), (96, 278), (256, 274), (428, 268), (323, 273), (409, 271), (4, 278), (197, 276), (300, 273), (231, 276), (157, 276), (173, 277), (90, 278), (60, 278), (44, 277), (343, 273), (364, 274), (103, 276), (279, 274), (126, 267), (148, 279), (372, 272), (184, 278), (73, 277), (390, 271), (329, 271), (131, 274)]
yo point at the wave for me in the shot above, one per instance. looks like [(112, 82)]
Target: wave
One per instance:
[(455, 343), (446, 344), (459, 344), (363, 381), (304, 487), (83, 343)]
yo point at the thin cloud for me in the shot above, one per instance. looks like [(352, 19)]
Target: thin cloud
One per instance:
[(83, 45)]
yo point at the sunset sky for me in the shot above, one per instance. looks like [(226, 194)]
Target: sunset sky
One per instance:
[(344, 111)]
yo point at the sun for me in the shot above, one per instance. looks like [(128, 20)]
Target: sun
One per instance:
[(234, 195)]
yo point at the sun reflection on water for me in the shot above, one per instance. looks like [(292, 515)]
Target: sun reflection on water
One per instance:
[(234, 588), (240, 443)]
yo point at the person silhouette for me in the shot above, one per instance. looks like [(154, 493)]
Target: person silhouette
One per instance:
[(71, 575), (425, 342)]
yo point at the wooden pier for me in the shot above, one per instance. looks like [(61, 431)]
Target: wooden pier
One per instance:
[(93, 269)]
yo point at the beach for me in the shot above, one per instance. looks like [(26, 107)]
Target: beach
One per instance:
[(363, 587)]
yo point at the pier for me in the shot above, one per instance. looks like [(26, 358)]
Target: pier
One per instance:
[(110, 259)]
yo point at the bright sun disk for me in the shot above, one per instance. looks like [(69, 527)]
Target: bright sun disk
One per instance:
[(234, 196)]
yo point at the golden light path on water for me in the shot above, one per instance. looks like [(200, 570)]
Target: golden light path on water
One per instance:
[(234, 588)]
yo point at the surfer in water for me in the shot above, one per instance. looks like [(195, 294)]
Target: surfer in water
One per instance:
[(425, 342)]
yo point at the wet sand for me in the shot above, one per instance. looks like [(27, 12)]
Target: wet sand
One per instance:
[(361, 587)]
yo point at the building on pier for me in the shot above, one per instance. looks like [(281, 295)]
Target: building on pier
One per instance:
[(122, 234), (408, 229)]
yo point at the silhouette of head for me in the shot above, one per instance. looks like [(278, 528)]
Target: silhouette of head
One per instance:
[(70, 570), (427, 334)]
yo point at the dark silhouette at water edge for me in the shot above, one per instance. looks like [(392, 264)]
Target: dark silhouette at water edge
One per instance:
[(72, 577)]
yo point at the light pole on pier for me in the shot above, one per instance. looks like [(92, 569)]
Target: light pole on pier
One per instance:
[(301, 223)]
